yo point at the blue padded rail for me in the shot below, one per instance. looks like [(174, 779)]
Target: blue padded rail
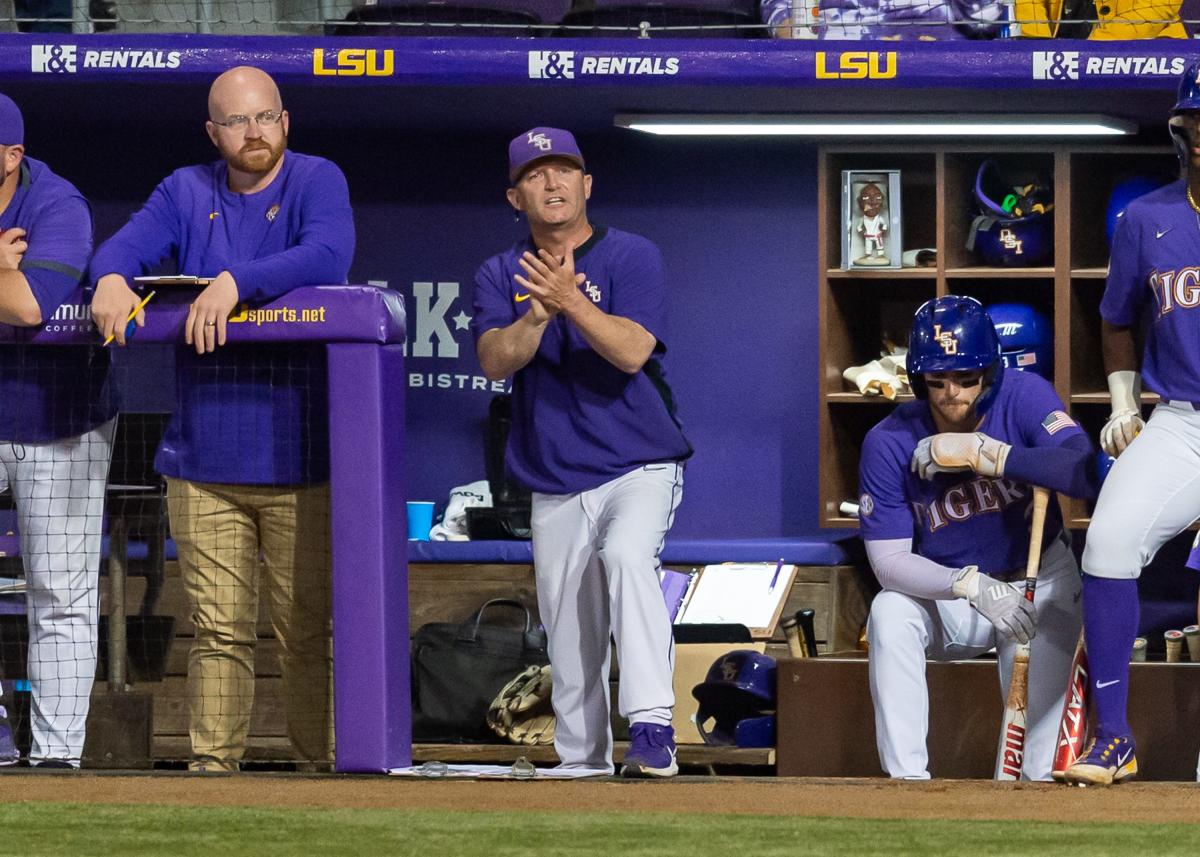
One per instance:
[(837, 547)]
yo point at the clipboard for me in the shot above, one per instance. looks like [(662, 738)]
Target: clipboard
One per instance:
[(173, 280), (747, 593)]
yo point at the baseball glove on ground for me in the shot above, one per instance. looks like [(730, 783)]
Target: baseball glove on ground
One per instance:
[(521, 712)]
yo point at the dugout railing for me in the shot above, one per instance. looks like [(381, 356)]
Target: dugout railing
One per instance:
[(363, 330)]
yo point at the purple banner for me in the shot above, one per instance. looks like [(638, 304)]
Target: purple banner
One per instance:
[(310, 314), (549, 63)]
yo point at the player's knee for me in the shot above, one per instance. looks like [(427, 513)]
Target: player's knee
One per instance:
[(1113, 552), (892, 613), (618, 556)]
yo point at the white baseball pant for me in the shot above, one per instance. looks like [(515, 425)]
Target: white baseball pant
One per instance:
[(903, 631), (58, 488), (595, 556), (1151, 494)]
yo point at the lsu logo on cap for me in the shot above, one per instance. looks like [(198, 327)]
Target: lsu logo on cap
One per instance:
[(541, 141), (945, 338)]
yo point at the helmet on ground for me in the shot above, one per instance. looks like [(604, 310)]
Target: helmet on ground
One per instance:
[(1026, 338), (737, 700), (954, 334), (1015, 224)]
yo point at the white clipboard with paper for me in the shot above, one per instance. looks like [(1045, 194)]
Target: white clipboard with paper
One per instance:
[(744, 593)]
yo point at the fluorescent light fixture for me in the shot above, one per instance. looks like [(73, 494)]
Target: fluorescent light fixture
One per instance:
[(872, 125)]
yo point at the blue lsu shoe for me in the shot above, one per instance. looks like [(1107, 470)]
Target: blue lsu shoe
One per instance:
[(651, 751), (1107, 760)]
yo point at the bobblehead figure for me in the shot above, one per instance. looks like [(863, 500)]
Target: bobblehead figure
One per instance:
[(872, 226)]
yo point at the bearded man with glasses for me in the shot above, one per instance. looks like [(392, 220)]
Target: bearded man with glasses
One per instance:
[(246, 455)]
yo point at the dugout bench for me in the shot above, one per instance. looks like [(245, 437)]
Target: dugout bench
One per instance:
[(448, 581)]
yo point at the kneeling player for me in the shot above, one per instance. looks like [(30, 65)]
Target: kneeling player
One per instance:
[(946, 494)]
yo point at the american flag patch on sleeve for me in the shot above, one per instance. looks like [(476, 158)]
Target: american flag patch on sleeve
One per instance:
[(1056, 421)]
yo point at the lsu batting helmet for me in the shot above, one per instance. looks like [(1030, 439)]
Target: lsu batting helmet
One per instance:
[(1026, 338), (954, 334), (1187, 99), (1014, 227), (1125, 191), (737, 700)]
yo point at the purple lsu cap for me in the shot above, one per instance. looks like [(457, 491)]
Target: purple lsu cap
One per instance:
[(539, 143), (12, 126)]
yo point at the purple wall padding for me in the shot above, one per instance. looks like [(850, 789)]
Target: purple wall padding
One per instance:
[(373, 710)]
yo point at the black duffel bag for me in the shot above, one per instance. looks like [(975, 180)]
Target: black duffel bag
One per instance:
[(457, 670)]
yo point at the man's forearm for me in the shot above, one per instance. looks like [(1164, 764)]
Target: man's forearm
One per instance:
[(17, 304), (1120, 348), (503, 351), (622, 342)]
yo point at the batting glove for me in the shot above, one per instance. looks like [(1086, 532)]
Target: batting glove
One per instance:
[(951, 452), (1120, 430), (1002, 604)]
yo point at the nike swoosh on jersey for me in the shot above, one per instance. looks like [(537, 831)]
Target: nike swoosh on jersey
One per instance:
[(1159, 233), (1103, 684), (519, 298)]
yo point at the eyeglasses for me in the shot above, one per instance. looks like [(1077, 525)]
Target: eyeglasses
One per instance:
[(238, 122), (966, 380)]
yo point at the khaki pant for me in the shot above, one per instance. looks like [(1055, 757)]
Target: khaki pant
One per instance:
[(219, 531)]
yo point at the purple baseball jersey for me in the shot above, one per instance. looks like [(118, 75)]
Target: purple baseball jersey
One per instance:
[(1156, 267), (51, 393), (246, 414), (578, 421), (959, 519)]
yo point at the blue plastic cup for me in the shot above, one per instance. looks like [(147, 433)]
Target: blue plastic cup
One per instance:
[(420, 520)]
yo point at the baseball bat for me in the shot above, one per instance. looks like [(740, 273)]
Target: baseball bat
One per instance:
[(1011, 754), (807, 634), (796, 647), (1174, 640), (1072, 728)]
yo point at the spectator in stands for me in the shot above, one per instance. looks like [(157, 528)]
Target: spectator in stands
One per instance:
[(56, 430), (246, 454)]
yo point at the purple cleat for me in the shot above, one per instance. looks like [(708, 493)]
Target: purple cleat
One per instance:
[(651, 751)]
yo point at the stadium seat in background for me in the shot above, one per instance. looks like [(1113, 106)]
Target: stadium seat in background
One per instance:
[(426, 18), (686, 18)]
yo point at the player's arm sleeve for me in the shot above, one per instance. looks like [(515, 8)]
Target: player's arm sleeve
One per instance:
[(491, 302), (1125, 290), (883, 511), (899, 569), (1054, 452), (640, 291), (60, 243), (151, 235), (324, 247)]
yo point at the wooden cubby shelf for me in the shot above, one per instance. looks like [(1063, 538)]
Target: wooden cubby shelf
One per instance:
[(937, 182)]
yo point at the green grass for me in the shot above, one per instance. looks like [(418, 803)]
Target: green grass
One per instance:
[(83, 830)]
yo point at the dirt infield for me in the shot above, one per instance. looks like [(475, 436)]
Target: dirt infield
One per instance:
[(857, 798)]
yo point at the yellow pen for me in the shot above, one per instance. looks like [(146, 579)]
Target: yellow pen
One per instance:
[(129, 323)]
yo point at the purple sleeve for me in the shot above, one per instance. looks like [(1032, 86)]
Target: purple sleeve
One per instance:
[(324, 246), (1066, 468), (492, 304), (150, 236), (1125, 289), (883, 511), (640, 290), (60, 241), (1053, 451)]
